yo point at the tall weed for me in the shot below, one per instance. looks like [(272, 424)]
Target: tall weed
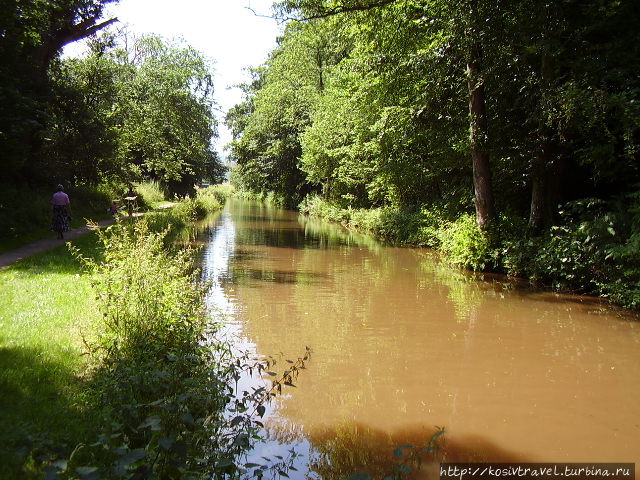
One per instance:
[(151, 191)]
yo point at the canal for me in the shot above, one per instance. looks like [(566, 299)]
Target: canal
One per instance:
[(403, 344)]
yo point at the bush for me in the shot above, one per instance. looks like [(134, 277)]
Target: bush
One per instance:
[(221, 192), (212, 198), (466, 245), (164, 383), (594, 250), (404, 226)]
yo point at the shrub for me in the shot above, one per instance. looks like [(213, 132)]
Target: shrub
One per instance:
[(221, 192), (466, 245), (404, 226), (594, 249), (164, 383)]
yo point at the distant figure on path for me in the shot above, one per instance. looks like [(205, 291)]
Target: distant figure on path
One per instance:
[(60, 212), (113, 209), (130, 198)]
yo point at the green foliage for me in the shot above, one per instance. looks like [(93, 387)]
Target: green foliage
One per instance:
[(33, 34), (146, 109), (466, 245), (221, 192), (144, 296), (396, 225), (594, 251), (163, 382), (151, 192), (268, 124), (26, 213), (179, 217), (389, 129)]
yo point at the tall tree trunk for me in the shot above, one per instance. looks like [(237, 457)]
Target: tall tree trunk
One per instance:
[(541, 210), (478, 132), (545, 168)]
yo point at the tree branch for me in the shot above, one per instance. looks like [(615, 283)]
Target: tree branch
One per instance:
[(82, 30), (323, 12)]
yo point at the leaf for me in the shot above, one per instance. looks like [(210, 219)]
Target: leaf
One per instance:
[(166, 442), (398, 452), (224, 462), (273, 374), (187, 418), (154, 422), (86, 470), (261, 410), (132, 457), (237, 420), (87, 473), (282, 473)]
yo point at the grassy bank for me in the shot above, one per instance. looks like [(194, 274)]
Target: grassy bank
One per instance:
[(47, 306), (28, 217), (594, 248)]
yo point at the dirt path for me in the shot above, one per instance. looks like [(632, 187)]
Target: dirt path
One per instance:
[(39, 246), (12, 256)]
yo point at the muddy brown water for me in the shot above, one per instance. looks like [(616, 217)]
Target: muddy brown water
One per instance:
[(403, 344)]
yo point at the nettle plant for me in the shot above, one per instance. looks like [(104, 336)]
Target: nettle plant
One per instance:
[(164, 382)]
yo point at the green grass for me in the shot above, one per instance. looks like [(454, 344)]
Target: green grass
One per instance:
[(46, 307), (79, 220)]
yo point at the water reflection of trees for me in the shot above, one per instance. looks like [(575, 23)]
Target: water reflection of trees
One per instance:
[(339, 451), (401, 338)]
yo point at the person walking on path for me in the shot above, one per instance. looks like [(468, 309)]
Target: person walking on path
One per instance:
[(60, 212), (130, 198)]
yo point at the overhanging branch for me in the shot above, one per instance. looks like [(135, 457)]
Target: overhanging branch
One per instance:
[(82, 30), (324, 12)]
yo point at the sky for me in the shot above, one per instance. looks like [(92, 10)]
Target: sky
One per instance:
[(225, 31)]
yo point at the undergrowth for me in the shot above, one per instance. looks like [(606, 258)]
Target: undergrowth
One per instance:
[(163, 382)]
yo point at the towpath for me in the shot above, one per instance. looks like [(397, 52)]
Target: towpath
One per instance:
[(45, 244)]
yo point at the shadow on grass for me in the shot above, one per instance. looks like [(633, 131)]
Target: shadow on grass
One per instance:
[(60, 259), (38, 414)]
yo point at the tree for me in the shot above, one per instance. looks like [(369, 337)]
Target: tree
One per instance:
[(438, 19), (33, 33), (268, 125), (142, 109)]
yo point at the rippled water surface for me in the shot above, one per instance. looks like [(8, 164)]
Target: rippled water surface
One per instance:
[(403, 344)]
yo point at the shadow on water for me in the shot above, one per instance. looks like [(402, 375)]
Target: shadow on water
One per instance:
[(338, 452)]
